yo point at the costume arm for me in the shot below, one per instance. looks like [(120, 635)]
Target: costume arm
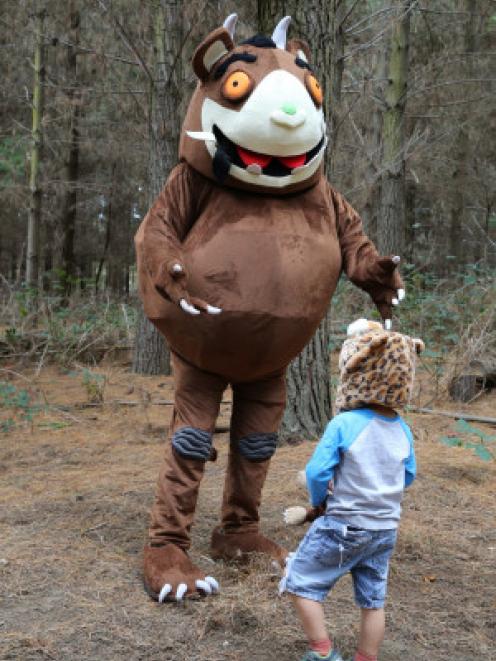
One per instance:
[(158, 241), (377, 275), (320, 468)]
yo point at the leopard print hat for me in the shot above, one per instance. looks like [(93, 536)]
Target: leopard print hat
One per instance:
[(376, 366)]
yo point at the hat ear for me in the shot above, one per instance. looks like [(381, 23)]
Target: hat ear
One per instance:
[(210, 51), (300, 48), (361, 356), (418, 345)]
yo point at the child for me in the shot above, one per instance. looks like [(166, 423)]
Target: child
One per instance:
[(367, 453)]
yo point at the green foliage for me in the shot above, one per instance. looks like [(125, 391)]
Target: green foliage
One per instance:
[(464, 439), (12, 155), (18, 404), (94, 385), (437, 309), (82, 328)]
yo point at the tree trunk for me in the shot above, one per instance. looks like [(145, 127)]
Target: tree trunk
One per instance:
[(69, 207), (458, 250), (308, 381), (151, 354), (34, 218), (391, 219)]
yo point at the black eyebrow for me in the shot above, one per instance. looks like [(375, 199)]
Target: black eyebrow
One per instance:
[(236, 57), (301, 63)]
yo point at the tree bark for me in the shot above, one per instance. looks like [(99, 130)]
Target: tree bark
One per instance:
[(69, 207), (34, 218), (392, 209), (308, 382), (151, 355)]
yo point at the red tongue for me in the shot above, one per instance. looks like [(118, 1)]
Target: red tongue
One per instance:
[(250, 157), (292, 162)]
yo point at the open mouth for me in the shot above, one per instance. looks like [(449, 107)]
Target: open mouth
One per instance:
[(274, 166)]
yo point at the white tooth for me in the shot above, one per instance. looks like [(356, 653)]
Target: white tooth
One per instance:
[(300, 167), (254, 168), (201, 135)]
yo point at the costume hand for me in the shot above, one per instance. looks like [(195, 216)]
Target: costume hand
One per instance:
[(392, 291), (172, 285)]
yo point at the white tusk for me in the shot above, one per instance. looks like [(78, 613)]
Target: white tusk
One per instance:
[(401, 294), (181, 591), (396, 259), (230, 24), (190, 309), (279, 34), (164, 592), (207, 136), (203, 585), (394, 301), (213, 583), (213, 310), (388, 324)]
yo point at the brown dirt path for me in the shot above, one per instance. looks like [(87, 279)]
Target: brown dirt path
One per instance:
[(75, 490)]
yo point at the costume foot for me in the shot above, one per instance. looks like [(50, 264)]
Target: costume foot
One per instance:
[(238, 545), (169, 575)]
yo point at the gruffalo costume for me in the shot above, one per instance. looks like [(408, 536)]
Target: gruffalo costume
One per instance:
[(238, 259)]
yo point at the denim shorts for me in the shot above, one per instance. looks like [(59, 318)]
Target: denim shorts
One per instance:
[(331, 549)]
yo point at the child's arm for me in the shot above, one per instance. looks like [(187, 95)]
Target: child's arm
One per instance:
[(320, 468), (410, 461)]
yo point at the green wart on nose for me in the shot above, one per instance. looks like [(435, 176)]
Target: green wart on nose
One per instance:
[(289, 108)]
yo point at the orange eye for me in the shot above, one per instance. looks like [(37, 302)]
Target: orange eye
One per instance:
[(315, 89), (237, 86)]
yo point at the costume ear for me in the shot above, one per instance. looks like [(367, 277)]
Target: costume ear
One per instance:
[(418, 345), (361, 356), (300, 48), (216, 45)]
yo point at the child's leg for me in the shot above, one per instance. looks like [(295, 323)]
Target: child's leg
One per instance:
[(372, 623), (311, 614)]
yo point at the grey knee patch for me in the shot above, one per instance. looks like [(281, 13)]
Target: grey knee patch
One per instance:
[(257, 447), (192, 443)]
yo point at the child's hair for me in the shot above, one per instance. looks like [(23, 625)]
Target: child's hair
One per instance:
[(376, 366)]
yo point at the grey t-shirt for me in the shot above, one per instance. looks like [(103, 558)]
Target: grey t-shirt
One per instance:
[(370, 459)]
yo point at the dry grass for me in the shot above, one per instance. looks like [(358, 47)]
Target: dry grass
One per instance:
[(75, 504)]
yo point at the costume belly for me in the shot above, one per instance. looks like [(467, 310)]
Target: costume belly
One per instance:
[(272, 277)]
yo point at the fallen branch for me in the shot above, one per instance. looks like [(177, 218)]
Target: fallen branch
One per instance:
[(453, 414), (123, 402)]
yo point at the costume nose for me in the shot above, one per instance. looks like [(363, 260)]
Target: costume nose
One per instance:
[(289, 116)]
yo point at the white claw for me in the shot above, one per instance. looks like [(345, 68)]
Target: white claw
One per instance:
[(213, 310), (401, 294), (182, 588), (388, 324), (190, 309), (177, 268), (164, 592), (396, 259), (394, 301), (213, 583), (203, 585)]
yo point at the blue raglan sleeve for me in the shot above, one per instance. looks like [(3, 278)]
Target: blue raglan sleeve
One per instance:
[(410, 462), (320, 468)]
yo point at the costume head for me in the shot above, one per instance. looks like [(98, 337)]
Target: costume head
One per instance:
[(255, 120), (376, 367)]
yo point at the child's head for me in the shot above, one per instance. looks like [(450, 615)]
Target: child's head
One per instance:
[(376, 367)]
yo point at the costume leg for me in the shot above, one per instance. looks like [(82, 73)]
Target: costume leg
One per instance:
[(257, 411), (197, 400)]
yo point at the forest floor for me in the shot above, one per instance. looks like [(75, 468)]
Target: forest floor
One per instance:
[(76, 485)]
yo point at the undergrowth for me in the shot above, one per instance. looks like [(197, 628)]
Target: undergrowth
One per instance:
[(46, 328), (437, 309)]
